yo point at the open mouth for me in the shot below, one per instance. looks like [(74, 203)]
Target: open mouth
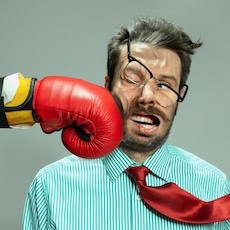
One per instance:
[(150, 120)]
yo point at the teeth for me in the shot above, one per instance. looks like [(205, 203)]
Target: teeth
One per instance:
[(147, 126), (141, 119)]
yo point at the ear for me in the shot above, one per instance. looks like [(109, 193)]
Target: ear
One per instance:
[(107, 82), (184, 91)]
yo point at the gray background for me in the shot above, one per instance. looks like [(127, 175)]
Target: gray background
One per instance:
[(44, 37)]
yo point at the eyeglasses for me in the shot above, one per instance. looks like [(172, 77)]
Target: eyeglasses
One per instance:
[(137, 75)]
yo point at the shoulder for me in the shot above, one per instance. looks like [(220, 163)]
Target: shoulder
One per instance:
[(70, 164), (192, 161), (196, 175)]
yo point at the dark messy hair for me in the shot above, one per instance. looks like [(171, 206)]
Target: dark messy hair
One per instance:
[(156, 32)]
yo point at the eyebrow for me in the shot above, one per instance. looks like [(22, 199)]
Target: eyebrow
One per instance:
[(171, 77)]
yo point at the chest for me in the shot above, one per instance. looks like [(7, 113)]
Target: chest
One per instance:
[(99, 203)]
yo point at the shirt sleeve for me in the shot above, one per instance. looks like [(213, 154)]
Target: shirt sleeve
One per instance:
[(227, 191), (36, 213)]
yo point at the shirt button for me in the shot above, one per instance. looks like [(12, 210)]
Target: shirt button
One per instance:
[(138, 197)]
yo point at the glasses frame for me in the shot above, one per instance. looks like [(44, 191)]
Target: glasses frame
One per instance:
[(131, 59)]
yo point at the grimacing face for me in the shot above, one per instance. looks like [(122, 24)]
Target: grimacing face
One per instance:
[(146, 123)]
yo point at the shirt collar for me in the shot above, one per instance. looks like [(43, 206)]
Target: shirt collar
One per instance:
[(159, 163), (117, 162)]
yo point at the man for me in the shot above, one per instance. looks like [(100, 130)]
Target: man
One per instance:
[(148, 65)]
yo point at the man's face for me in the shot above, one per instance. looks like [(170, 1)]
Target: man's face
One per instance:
[(146, 122)]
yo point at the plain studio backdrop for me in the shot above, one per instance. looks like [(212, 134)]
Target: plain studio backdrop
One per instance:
[(48, 37)]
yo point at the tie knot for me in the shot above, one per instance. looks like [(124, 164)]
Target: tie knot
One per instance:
[(138, 172)]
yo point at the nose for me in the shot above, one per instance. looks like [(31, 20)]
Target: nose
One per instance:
[(147, 95)]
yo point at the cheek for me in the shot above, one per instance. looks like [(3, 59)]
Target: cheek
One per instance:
[(123, 96), (171, 112)]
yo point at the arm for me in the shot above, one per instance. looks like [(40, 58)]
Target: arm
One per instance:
[(227, 191), (87, 114), (36, 215)]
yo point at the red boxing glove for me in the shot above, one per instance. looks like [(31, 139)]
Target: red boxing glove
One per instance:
[(87, 113)]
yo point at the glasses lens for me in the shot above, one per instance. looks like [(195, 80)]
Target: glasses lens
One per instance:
[(136, 75), (165, 97)]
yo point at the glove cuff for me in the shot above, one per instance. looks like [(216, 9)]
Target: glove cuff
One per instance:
[(18, 111)]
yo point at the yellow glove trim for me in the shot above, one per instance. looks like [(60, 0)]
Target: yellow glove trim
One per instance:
[(21, 93), (19, 117), (23, 117)]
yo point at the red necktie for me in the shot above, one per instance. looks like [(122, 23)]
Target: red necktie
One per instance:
[(176, 203)]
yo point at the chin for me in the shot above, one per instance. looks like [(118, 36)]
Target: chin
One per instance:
[(142, 143)]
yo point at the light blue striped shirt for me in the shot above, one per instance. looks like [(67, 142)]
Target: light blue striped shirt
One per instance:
[(81, 194)]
